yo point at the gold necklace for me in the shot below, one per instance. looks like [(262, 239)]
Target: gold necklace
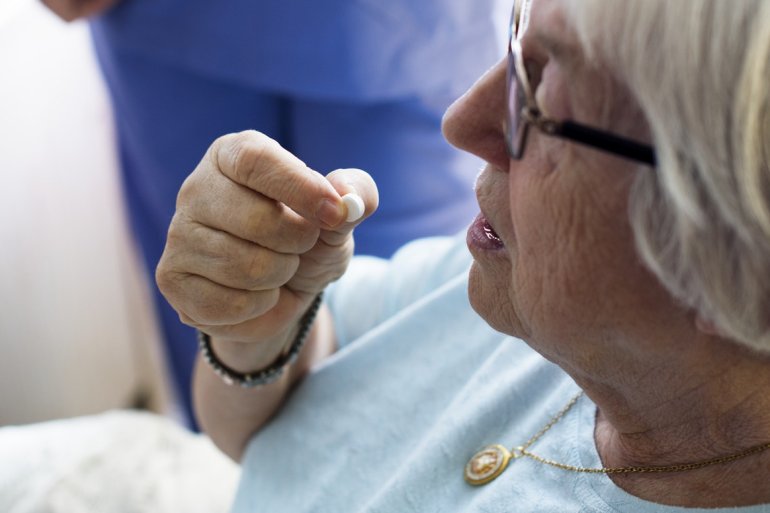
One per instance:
[(492, 460)]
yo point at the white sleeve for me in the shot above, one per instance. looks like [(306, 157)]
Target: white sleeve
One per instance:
[(373, 289)]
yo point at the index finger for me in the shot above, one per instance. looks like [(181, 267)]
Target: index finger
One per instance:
[(258, 162)]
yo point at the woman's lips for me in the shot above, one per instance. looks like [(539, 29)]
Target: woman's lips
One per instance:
[(481, 235)]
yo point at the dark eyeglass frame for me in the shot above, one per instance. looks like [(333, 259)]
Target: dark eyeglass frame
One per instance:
[(523, 110)]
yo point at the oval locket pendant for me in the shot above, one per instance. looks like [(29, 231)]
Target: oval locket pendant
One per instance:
[(487, 464)]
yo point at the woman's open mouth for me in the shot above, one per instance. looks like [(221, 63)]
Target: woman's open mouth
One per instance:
[(481, 235)]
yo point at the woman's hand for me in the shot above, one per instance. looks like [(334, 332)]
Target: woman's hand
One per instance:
[(255, 237), (70, 10)]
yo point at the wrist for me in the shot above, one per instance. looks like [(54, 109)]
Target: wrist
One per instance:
[(246, 357), (250, 365)]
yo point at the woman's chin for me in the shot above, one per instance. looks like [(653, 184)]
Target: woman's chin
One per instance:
[(489, 299)]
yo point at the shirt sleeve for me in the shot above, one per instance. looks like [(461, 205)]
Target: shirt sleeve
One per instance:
[(374, 289)]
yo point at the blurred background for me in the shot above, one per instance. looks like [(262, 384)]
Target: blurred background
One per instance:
[(77, 333), (83, 329)]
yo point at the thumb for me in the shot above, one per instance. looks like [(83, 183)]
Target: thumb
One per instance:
[(327, 260), (360, 195)]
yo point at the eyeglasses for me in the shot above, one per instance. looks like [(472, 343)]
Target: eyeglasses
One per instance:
[(523, 110)]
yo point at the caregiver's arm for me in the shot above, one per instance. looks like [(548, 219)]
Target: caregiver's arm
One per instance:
[(255, 238), (70, 10)]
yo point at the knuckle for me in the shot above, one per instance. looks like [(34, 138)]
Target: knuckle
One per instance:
[(257, 268), (162, 276), (296, 239), (197, 183), (239, 265), (177, 245), (219, 309), (177, 234), (270, 270), (306, 240), (186, 319), (247, 305), (275, 226), (261, 217), (187, 192), (171, 285), (241, 306), (245, 151)]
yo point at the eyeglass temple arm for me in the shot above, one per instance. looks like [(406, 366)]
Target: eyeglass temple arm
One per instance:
[(605, 141)]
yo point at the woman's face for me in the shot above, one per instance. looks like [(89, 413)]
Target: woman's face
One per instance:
[(554, 257)]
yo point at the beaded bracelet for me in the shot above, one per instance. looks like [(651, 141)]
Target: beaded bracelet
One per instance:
[(275, 370)]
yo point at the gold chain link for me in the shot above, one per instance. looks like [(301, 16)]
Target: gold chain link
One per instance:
[(522, 450)]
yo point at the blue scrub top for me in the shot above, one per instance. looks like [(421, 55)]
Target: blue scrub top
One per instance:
[(328, 49)]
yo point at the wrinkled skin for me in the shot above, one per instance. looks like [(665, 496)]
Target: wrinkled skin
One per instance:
[(246, 250)]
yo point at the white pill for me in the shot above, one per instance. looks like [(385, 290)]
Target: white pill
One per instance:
[(355, 206)]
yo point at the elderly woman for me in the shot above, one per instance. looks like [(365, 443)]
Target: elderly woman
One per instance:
[(620, 264)]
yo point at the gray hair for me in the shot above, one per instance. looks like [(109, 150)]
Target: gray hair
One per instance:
[(700, 70)]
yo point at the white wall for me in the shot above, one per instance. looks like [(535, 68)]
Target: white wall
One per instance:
[(77, 334)]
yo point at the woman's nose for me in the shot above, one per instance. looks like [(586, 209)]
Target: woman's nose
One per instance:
[(476, 121)]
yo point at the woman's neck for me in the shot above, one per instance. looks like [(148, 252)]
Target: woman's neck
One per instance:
[(708, 401)]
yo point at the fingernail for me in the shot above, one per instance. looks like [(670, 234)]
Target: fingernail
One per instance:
[(330, 213)]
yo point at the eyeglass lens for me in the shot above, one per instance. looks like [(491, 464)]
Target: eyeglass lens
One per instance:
[(516, 131)]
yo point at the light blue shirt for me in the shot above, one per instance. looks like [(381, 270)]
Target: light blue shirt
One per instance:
[(420, 383)]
